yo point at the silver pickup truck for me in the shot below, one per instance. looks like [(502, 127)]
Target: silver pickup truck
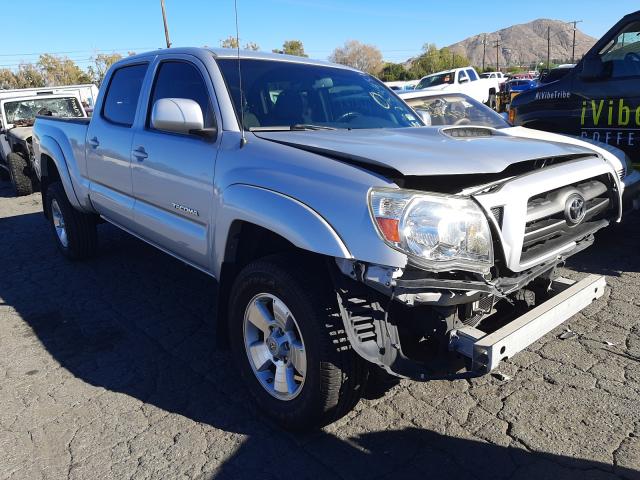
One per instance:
[(347, 238)]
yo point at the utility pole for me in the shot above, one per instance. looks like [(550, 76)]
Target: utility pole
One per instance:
[(573, 47), (498, 45), (549, 48), (166, 27), (484, 50)]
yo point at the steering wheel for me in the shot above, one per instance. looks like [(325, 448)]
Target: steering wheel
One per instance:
[(462, 121), (344, 116), (634, 56)]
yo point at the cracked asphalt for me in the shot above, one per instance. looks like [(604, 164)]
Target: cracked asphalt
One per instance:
[(108, 370)]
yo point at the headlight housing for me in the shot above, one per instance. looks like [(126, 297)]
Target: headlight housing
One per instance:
[(437, 232)]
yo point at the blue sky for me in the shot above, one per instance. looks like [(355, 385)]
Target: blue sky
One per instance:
[(80, 28)]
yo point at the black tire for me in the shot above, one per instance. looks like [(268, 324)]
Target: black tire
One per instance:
[(20, 174), (80, 228), (335, 376)]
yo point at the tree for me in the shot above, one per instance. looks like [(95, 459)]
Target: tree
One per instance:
[(7, 79), (292, 47), (367, 58), (433, 60), (392, 72), (101, 64), (232, 42), (60, 71), (28, 76)]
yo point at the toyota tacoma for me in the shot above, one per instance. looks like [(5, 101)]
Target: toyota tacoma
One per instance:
[(347, 238)]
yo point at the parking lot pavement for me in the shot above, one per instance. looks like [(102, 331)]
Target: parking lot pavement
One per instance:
[(108, 370)]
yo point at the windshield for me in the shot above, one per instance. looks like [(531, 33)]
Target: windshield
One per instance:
[(445, 110), (23, 112), (279, 94), (435, 79)]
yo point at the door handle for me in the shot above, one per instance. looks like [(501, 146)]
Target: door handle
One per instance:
[(94, 142), (140, 153)]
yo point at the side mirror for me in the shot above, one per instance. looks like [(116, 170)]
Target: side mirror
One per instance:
[(592, 68), (180, 115), (463, 80)]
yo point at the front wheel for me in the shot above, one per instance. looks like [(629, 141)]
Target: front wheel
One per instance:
[(75, 232), (288, 341), (20, 174)]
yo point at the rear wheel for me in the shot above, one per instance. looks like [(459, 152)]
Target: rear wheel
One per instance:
[(74, 231), (288, 341), (20, 174)]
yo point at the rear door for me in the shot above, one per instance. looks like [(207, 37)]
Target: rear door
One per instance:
[(609, 109), (108, 148), (172, 173)]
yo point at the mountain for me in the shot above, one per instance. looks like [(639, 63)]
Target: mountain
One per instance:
[(526, 44)]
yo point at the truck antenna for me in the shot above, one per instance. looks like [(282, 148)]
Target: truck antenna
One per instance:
[(243, 141)]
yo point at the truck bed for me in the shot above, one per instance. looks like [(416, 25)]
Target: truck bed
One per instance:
[(79, 120)]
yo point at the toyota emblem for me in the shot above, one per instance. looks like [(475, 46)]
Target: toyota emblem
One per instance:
[(575, 209)]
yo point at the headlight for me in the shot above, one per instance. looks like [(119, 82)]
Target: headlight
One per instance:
[(438, 232)]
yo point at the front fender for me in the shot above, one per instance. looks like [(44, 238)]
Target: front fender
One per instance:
[(49, 146), (279, 213)]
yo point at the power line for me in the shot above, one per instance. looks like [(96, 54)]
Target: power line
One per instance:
[(497, 45), (32, 54), (573, 45)]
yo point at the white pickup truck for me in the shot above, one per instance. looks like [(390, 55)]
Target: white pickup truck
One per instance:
[(463, 80)]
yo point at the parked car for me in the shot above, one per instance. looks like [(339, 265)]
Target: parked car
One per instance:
[(87, 92), (402, 86), (438, 109), (501, 77), (17, 115), (462, 80), (511, 89), (599, 99), (344, 239)]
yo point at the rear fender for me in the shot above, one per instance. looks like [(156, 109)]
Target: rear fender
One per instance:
[(50, 147)]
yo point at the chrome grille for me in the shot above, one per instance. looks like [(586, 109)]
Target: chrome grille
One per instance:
[(620, 173), (546, 218)]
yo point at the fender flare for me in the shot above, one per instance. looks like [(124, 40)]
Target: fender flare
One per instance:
[(283, 215), (51, 148)]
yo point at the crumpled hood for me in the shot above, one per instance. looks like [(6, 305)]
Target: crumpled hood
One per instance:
[(21, 133), (423, 151)]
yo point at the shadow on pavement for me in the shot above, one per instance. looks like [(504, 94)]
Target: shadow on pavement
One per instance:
[(138, 322)]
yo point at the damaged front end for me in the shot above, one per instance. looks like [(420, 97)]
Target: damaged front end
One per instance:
[(455, 314)]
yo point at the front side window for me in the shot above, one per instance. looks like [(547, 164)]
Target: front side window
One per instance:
[(462, 76), (23, 113), (622, 55), (285, 94), (177, 79), (122, 94)]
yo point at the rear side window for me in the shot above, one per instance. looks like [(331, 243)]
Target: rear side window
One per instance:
[(123, 93), (182, 80), (473, 76)]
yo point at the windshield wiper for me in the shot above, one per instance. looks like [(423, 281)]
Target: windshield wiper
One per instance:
[(295, 127), (310, 126)]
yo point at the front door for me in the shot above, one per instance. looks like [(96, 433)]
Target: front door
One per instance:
[(108, 145), (610, 105), (172, 173)]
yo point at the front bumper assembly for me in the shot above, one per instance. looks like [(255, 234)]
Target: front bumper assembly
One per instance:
[(487, 350)]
